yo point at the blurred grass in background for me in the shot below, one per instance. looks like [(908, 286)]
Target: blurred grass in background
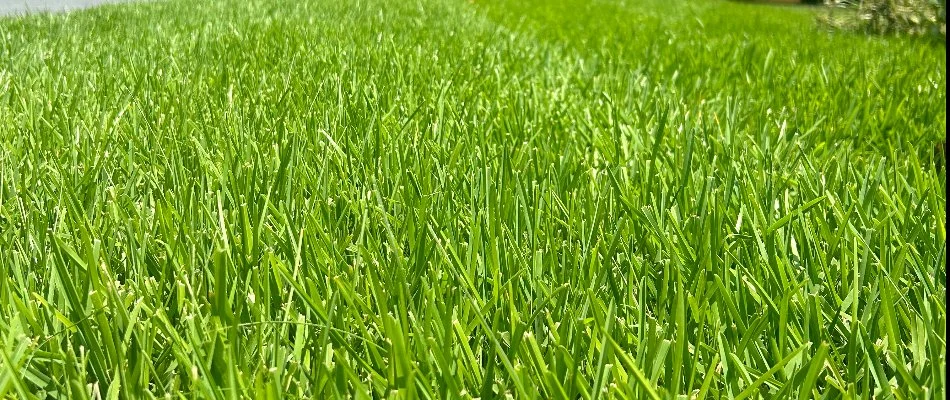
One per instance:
[(902, 17)]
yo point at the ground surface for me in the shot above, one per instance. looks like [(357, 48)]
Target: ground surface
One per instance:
[(454, 199), (23, 6)]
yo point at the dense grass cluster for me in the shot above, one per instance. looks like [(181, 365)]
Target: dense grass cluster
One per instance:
[(455, 199)]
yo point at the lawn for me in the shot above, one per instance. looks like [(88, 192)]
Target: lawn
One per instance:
[(437, 199)]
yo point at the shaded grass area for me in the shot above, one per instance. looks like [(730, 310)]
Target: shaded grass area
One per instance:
[(442, 198)]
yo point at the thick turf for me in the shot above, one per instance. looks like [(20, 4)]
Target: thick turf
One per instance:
[(459, 199)]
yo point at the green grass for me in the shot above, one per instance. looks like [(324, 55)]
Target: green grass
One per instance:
[(468, 199)]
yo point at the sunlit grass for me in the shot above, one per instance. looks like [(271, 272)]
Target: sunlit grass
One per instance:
[(461, 199)]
